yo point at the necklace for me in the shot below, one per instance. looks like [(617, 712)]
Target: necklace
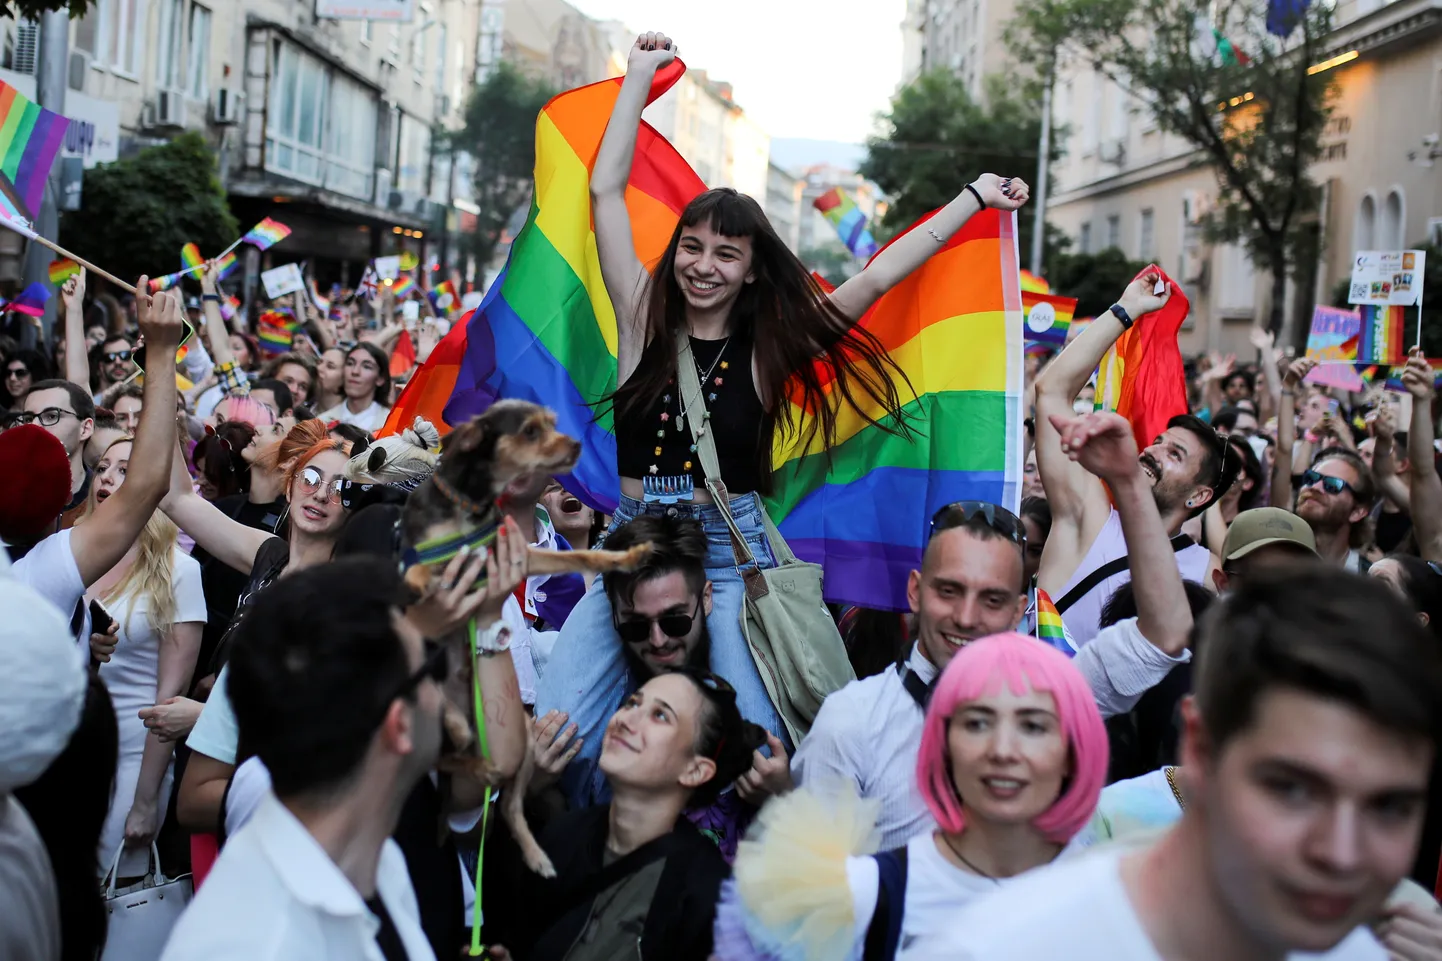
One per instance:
[(685, 408), (967, 861), (1176, 791)]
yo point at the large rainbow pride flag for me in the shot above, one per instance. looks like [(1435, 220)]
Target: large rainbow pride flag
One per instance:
[(30, 137), (546, 332)]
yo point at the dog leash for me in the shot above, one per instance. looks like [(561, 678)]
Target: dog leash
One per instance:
[(478, 950), (438, 550)]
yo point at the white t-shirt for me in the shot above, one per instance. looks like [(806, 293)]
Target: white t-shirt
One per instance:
[(215, 733), (50, 570), (369, 419), (1076, 910)]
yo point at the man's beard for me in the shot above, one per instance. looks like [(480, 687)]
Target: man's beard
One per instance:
[(698, 658)]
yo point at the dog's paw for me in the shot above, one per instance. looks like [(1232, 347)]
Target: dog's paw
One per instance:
[(634, 557)]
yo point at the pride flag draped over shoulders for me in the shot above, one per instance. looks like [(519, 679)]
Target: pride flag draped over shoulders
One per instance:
[(546, 332)]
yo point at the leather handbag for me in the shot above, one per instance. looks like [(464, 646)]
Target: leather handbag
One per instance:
[(139, 916), (791, 633)]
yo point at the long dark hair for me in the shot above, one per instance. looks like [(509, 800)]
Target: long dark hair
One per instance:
[(795, 330), (383, 389)]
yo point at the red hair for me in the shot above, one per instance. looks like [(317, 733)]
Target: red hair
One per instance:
[(304, 443)]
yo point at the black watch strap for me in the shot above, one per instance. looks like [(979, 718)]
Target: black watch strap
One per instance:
[(1121, 314)]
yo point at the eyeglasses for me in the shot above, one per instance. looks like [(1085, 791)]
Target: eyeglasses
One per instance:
[(961, 513), (311, 480), (228, 463), (634, 630), (48, 417), (1332, 485), (18, 372), (115, 355)]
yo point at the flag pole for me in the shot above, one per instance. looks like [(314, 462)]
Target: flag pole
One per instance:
[(25, 231)]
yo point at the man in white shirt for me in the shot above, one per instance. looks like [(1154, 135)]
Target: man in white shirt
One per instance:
[(1305, 762), (972, 583), (340, 698)]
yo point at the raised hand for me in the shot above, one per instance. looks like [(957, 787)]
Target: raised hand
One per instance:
[(1262, 339), (651, 52), (1297, 372), (1100, 442), (1417, 377), (1002, 193), (72, 293), (1140, 298)]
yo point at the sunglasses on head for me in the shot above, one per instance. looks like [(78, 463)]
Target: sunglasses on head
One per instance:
[(634, 630), (115, 355), (961, 513), (1332, 485), (311, 480)]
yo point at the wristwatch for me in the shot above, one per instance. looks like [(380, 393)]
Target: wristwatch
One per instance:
[(1121, 314)]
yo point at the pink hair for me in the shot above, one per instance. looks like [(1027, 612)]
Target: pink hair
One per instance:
[(1022, 663), (247, 410)]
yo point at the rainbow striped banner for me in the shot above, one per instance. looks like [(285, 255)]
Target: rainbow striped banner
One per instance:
[(62, 270), (30, 137), (546, 332), (1381, 336), (850, 223), (1048, 317), (266, 234)]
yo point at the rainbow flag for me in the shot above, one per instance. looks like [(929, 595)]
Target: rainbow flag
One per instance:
[(62, 270), (190, 257), (1032, 284), (30, 137), (1049, 626), (403, 285), (1048, 317), (1381, 340), (546, 332), (266, 234), (445, 299), (276, 331), (228, 307), (166, 282), (30, 301), (227, 264), (1141, 377), (850, 223), (322, 303)]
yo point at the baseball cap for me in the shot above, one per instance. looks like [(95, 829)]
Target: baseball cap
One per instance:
[(1264, 526)]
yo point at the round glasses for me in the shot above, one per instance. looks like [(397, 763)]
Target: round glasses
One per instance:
[(311, 481)]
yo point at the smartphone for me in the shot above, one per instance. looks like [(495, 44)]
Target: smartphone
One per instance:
[(139, 356), (1334, 406), (100, 619)]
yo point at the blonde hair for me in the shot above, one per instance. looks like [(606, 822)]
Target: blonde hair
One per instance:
[(152, 575)]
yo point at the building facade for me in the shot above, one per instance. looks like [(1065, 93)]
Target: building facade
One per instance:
[(712, 132), (963, 37), (1125, 184), (783, 205)]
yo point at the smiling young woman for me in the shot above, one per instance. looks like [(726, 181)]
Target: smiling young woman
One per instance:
[(754, 319)]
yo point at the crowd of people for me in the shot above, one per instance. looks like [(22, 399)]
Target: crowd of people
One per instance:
[(1186, 703)]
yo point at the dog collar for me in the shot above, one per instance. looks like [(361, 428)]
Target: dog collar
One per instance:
[(456, 497), (438, 550)]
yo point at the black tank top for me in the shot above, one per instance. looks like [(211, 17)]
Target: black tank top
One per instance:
[(657, 440)]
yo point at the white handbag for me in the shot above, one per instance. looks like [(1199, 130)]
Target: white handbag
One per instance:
[(139, 916)]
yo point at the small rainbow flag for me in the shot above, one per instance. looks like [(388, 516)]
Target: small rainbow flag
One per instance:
[(1048, 317), (30, 137), (1032, 284), (62, 270), (1049, 626), (227, 264), (31, 301), (228, 307), (1381, 339), (403, 285), (276, 331), (444, 299), (409, 261), (190, 257), (166, 282), (850, 223), (266, 234), (322, 303)]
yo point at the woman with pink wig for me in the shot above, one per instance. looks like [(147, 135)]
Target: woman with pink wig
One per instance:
[(1013, 758)]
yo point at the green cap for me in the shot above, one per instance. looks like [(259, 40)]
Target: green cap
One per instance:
[(1263, 526)]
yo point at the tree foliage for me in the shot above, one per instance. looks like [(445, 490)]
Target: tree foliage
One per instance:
[(33, 9), (938, 139), (1210, 72), (138, 212), (500, 133), (1095, 280)]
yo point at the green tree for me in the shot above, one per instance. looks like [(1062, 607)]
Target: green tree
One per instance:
[(938, 139), (500, 133), (836, 264), (1095, 280), (137, 213), (32, 9), (1210, 72)]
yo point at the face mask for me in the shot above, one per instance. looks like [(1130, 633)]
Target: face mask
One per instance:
[(1082, 406)]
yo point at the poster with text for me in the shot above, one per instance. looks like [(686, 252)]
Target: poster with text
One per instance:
[(1332, 342), (1387, 277)]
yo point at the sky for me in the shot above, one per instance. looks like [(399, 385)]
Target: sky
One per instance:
[(817, 69)]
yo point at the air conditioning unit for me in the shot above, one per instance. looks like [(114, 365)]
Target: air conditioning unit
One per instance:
[(227, 106), (1113, 152), (79, 69), (169, 108), (27, 43)]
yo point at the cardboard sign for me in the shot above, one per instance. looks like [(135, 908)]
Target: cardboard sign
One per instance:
[(1387, 277), (388, 268), (283, 280)]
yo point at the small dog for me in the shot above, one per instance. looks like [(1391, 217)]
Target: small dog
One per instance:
[(512, 448)]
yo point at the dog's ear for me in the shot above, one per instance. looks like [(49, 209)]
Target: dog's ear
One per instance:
[(467, 438), (360, 446), (377, 460)]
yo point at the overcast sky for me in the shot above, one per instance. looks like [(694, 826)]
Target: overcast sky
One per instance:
[(800, 68)]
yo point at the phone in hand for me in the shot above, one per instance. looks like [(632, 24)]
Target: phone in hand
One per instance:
[(100, 619), (139, 356)]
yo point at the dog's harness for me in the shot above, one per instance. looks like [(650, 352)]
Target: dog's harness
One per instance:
[(438, 550)]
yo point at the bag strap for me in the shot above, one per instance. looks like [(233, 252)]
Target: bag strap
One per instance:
[(1110, 569), (157, 875), (654, 850), (883, 935), (693, 400)]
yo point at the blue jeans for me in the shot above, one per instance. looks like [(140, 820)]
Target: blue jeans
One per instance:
[(587, 676)]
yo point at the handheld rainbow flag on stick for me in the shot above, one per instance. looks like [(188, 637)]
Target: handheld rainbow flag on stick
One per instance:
[(403, 285), (30, 138), (190, 257), (62, 270), (266, 234), (850, 223), (30, 301), (444, 299), (546, 332), (1049, 625), (1048, 317), (1381, 336), (1032, 284)]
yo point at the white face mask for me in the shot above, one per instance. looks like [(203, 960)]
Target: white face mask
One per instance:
[(1081, 406)]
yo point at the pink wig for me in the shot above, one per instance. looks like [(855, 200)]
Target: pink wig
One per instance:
[(978, 670), (246, 410)]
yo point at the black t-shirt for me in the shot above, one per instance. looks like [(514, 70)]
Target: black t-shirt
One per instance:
[(270, 562), (222, 583), (1392, 530), (387, 938)]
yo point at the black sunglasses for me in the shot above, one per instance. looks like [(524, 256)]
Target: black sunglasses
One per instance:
[(1332, 485), (634, 630), (961, 513), (18, 372), (115, 355)]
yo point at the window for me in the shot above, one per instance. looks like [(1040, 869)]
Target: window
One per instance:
[(295, 114), (1085, 241), (415, 155), (440, 84), (1365, 232), (1148, 235), (1394, 221), (170, 43), (120, 34), (367, 32), (1114, 231), (351, 140), (1119, 112), (198, 68), (1091, 126)]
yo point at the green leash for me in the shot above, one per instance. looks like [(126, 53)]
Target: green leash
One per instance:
[(478, 950)]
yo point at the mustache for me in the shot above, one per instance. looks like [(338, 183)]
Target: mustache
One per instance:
[(1150, 462)]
